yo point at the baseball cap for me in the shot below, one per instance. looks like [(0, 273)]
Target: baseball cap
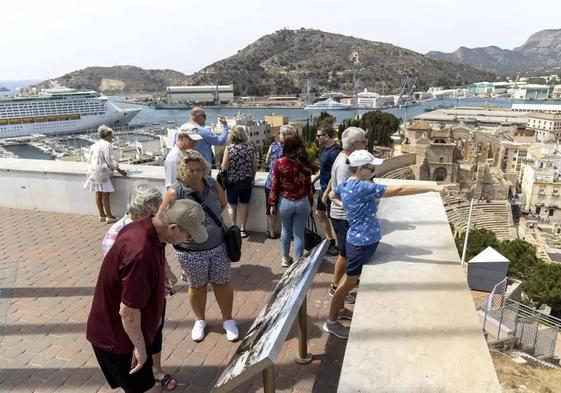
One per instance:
[(363, 157), (191, 131), (190, 216)]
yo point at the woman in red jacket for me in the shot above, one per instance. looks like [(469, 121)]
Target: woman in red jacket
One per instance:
[(291, 195)]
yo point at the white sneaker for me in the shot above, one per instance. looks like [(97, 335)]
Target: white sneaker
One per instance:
[(232, 333), (198, 332)]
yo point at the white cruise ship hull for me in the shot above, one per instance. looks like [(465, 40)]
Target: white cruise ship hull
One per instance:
[(59, 111)]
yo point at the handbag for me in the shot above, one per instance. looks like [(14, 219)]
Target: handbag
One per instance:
[(232, 236), (221, 178), (311, 237)]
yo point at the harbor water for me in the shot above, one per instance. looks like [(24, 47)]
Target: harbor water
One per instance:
[(27, 151)]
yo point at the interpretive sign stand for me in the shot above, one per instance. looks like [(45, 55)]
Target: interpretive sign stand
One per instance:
[(263, 342)]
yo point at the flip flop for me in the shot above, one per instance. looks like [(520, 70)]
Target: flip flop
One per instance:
[(165, 381), (243, 234)]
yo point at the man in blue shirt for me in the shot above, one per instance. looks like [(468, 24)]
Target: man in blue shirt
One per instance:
[(324, 138), (209, 138)]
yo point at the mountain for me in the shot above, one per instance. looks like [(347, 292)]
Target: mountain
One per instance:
[(120, 79), (541, 52), (280, 63)]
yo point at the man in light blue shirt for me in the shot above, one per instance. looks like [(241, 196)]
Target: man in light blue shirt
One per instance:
[(209, 138)]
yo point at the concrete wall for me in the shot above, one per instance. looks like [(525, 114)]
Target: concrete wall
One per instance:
[(57, 186), (396, 162)]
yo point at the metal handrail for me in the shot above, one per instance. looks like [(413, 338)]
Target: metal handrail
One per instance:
[(527, 311)]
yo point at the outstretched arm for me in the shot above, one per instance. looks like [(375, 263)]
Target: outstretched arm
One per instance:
[(402, 190)]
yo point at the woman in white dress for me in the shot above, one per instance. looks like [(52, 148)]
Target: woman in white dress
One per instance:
[(102, 163)]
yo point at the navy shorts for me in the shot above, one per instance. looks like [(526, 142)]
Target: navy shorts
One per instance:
[(341, 228), (239, 191), (116, 368), (357, 256), (320, 206)]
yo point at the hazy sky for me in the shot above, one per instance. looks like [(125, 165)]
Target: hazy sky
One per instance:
[(46, 38)]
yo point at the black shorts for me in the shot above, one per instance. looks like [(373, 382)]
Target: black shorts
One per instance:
[(156, 346), (359, 256), (239, 191), (116, 368), (320, 206), (267, 206), (341, 228)]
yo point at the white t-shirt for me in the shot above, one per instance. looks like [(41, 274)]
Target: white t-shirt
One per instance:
[(339, 174), (170, 165)]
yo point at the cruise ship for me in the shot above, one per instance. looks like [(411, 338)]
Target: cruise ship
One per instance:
[(61, 110), (328, 105)]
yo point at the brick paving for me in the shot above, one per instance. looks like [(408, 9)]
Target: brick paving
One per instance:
[(49, 263)]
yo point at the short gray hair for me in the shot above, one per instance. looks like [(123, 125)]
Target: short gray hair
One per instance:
[(103, 131), (352, 135), (238, 135), (287, 129), (144, 200)]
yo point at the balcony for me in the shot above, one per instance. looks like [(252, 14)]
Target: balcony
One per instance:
[(414, 311)]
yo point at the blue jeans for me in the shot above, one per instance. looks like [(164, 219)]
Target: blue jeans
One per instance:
[(293, 215)]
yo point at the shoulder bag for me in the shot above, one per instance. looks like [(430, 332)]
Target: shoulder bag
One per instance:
[(311, 237), (232, 235)]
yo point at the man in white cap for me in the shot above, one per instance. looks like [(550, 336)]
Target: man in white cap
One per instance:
[(359, 196), (187, 138), (129, 295)]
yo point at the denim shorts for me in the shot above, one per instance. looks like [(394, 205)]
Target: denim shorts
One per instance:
[(357, 256)]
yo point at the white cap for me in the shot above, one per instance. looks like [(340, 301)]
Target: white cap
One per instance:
[(363, 157), (191, 130)]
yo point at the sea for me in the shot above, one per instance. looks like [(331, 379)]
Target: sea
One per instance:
[(148, 116)]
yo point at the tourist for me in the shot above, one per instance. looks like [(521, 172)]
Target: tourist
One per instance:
[(360, 196), (273, 154), (353, 138), (240, 165), (144, 201), (101, 165), (208, 262), (128, 300), (187, 138), (209, 138), (324, 138), (291, 195)]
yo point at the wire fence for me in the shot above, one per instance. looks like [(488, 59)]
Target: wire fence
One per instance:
[(533, 331)]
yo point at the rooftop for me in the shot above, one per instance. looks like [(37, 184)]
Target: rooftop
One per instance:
[(50, 263)]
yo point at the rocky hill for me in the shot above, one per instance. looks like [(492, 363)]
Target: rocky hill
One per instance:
[(280, 63), (540, 53), (120, 79)]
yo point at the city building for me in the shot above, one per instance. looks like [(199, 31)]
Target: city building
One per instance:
[(369, 99), (200, 94), (531, 92), (536, 108), (257, 131), (541, 182), (546, 126), (512, 156)]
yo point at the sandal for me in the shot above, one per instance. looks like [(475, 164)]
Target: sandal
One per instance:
[(165, 381), (243, 234), (271, 236)]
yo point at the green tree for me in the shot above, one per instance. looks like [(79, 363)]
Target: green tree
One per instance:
[(379, 127), (522, 257), (544, 286), (479, 240)]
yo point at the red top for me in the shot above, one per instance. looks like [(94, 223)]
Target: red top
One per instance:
[(291, 180), (132, 273)]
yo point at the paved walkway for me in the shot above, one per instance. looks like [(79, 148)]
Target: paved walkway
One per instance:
[(49, 263)]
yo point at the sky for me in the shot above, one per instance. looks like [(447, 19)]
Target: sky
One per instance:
[(46, 39)]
